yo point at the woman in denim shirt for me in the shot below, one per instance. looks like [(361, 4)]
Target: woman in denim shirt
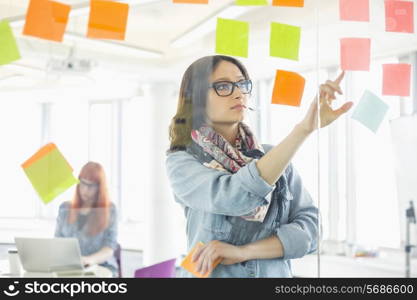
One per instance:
[(244, 201)]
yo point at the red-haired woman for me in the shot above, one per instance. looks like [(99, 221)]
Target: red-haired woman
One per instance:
[(91, 218)]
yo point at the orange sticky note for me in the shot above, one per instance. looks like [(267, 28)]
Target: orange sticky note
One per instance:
[(396, 80), (296, 3), (288, 88), (190, 266), (108, 20), (354, 10), (191, 1), (46, 19), (355, 54), (399, 16)]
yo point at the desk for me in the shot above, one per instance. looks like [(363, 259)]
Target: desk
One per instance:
[(342, 266), (99, 271)]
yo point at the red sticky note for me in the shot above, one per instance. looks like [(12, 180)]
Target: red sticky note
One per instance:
[(399, 16), (46, 19), (396, 79), (295, 3), (355, 54), (354, 10), (108, 20), (288, 88)]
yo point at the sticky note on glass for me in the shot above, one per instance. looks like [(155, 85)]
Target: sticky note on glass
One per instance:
[(284, 41), (107, 20), (399, 16), (354, 10), (46, 19), (288, 88), (396, 79), (190, 266), (355, 54), (191, 1), (251, 2), (295, 3), (370, 111), (49, 173), (232, 37), (9, 51)]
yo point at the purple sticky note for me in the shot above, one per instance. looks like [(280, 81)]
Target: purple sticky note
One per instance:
[(396, 79), (355, 54), (165, 269), (399, 16), (354, 10)]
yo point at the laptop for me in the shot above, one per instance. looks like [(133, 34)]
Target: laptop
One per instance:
[(46, 255)]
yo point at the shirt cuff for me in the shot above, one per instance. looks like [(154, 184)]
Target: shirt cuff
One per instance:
[(295, 241), (252, 180)]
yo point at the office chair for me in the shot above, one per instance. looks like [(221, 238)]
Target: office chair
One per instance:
[(118, 256)]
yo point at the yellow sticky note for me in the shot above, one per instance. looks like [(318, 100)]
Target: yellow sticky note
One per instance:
[(232, 37), (190, 266), (285, 41), (8, 47), (251, 2), (49, 172)]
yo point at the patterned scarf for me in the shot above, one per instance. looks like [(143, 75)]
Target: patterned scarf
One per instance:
[(230, 159)]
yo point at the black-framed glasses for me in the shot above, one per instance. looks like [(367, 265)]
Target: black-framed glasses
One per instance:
[(226, 88), (88, 185)]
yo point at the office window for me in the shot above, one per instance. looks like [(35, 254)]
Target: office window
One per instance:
[(20, 131), (65, 123), (135, 150), (377, 221)]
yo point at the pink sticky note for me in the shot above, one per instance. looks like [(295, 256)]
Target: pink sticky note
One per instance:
[(354, 10), (399, 16), (355, 54), (396, 79)]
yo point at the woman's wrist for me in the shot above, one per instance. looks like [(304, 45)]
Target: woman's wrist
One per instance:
[(245, 252), (302, 130)]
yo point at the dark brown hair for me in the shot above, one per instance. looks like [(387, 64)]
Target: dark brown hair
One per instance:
[(191, 110)]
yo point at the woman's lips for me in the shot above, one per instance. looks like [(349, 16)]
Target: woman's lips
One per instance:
[(239, 107)]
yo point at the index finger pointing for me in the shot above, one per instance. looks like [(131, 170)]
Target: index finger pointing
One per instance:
[(340, 77)]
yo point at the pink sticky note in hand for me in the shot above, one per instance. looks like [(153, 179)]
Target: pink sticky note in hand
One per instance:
[(354, 10), (399, 16), (396, 80), (355, 54)]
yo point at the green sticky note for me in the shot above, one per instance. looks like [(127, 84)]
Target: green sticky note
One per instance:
[(232, 37), (251, 2), (370, 111), (50, 176), (285, 41), (8, 47)]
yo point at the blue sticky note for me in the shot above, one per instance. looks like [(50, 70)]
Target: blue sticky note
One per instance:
[(370, 111)]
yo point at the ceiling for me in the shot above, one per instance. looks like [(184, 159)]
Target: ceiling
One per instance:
[(154, 24)]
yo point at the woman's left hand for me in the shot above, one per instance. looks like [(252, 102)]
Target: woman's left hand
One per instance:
[(206, 255), (327, 113)]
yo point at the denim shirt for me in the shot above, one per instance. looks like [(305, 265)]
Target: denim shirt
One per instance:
[(89, 244), (214, 200)]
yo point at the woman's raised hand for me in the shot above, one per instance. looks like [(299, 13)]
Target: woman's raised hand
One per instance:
[(327, 92)]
